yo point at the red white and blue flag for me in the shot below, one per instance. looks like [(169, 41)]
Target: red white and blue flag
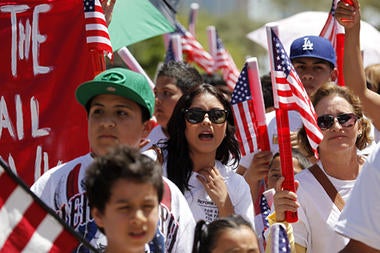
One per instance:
[(279, 239), (334, 32), (97, 35), (261, 220), (194, 50), (244, 114), (225, 63), (329, 30), (27, 224), (290, 93)]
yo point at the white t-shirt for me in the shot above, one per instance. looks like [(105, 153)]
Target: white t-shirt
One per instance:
[(204, 208), (317, 214), (360, 218), (154, 136), (62, 189)]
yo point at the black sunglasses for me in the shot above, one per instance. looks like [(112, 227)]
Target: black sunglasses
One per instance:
[(345, 120), (195, 115)]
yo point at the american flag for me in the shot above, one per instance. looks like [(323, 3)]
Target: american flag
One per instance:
[(194, 50), (334, 32), (290, 93), (279, 239), (329, 30), (97, 36), (261, 220), (169, 56), (244, 114), (225, 63), (27, 224)]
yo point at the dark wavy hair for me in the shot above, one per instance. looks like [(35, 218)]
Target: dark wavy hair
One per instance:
[(328, 89), (206, 235), (179, 163)]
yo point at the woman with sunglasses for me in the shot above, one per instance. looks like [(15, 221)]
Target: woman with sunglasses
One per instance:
[(202, 153), (344, 129)]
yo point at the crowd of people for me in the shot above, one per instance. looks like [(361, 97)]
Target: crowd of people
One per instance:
[(183, 186)]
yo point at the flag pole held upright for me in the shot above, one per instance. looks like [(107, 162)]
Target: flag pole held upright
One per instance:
[(211, 39), (194, 7), (340, 54), (258, 101), (132, 63), (283, 131)]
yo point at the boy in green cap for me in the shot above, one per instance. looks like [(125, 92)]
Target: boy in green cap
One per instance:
[(119, 104)]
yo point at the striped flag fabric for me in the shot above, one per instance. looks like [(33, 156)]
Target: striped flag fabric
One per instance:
[(279, 239), (334, 32), (329, 30), (27, 224), (290, 93), (194, 50), (97, 36), (261, 220), (244, 114), (225, 63)]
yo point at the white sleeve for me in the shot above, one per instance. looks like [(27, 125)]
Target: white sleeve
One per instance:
[(184, 219), (240, 195), (43, 189), (360, 218)]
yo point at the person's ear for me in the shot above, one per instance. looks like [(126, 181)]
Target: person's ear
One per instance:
[(148, 126), (98, 217), (334, 75)]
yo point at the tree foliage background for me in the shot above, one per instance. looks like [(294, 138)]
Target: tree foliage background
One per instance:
[(233, 26)]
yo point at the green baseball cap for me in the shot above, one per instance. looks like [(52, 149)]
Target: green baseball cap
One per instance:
[(121, 82)]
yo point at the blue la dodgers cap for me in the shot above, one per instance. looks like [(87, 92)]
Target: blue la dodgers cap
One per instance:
[(313, 47)]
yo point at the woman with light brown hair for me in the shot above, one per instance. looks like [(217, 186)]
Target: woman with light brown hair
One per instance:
[(345, 131)]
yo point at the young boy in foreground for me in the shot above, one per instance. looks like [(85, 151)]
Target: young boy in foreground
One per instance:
[(124, 189)]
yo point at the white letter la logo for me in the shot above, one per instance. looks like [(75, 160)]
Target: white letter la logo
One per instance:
[(307, 44)]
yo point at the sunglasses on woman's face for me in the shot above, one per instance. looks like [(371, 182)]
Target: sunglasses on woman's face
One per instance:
[(195, 115), (345, 120)]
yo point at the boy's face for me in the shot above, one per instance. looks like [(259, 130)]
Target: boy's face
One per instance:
[(274, 172), (114, 120), (167, 94), (130, 216), (313, 72)]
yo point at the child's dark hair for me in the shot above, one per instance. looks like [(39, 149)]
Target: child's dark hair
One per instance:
[(206, 235), (185, 75), (121, 162)]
